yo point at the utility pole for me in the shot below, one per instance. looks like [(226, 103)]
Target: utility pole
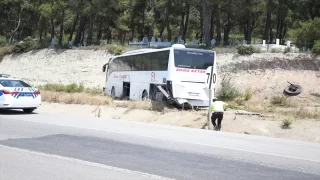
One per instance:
[(209, 81)]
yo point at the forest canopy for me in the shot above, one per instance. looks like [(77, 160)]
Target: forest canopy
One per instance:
[(226, 21)]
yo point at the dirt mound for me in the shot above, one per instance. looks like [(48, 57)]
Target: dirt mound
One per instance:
[(266, 75), (58, 66), (269, 61)]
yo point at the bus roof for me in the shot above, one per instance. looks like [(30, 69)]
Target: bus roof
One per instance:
[(149, 50)]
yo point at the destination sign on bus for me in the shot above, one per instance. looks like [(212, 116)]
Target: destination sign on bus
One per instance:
[(191, 70)]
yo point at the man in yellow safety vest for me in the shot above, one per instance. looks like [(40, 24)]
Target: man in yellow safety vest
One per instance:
[(217, 109)]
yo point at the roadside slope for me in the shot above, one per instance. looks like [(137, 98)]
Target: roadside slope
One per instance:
[(57, 66)]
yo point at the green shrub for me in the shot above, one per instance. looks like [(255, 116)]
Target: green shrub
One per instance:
[(279, 100), (286, 123), (287, 50), (3, 41), (247, 95), (316, 47), (28, 44), (44, 43), (115, 49), (70, 88), (307, 32), (246, 50), (228, 91), (6, 50)]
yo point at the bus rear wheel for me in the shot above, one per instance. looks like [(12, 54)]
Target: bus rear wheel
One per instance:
[(145, 95)]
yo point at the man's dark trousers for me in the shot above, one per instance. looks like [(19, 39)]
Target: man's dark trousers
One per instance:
[(219, 116)]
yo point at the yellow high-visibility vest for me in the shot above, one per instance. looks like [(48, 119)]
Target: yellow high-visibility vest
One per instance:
[(218, 106)]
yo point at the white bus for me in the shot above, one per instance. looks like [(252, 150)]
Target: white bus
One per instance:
[(176, 73)]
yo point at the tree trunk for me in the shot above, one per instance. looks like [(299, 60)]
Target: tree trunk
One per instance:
[(169, 30), (201, 26), (82, 37), (167, 20), (212, 22), (80, 30), (281, 31), (267, 27), (90, 30), (142, 26), (162, 30), (227, 27), (284, 32), (249, 28), (187, 22), (99, 35), (73, 27), (218, 25), (61, 29), (132, 29), (109, 36), (52, 28), (245, 31), (278, 26), (182, 23), (271, 35), (206, 21), (16, 29)]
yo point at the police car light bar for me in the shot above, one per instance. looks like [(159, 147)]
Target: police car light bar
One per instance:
[(4, 75)]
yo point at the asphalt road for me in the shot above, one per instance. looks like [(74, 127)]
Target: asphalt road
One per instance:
[(50, 146)]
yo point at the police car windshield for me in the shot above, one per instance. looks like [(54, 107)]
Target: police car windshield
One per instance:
[(13, 83)]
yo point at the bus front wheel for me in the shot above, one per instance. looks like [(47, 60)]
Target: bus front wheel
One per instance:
[(144, 95), (113, 93)]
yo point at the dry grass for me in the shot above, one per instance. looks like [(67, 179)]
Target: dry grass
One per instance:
[(279, 100), (75, 98), (98, 100), (300, 114), (143, 105), (279, 107)]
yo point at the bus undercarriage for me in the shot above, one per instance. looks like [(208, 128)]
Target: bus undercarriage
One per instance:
[(161, 93)]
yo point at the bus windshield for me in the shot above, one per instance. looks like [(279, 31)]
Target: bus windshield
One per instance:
[(193, 59)]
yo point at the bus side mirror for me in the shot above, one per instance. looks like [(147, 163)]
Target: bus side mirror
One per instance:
[(104, 67)]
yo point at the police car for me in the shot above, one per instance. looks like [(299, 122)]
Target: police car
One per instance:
[(16, 94)]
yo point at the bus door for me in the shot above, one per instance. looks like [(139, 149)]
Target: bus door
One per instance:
[(126, 85)]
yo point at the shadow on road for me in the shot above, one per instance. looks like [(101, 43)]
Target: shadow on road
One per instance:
[(14, 112)]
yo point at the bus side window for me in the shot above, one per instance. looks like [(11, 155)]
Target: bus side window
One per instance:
[(126, 64), (155, 61), (163, 60), (130, 62), (111, 67), (146, 62), (137, 63)]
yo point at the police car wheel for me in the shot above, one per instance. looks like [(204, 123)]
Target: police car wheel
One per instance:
[(28, 110)]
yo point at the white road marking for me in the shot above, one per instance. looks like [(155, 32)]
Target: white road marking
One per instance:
[(179, 141), (86, 163)]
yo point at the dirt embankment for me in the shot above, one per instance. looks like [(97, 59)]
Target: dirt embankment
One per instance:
[(57, 66), (265, 75)]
